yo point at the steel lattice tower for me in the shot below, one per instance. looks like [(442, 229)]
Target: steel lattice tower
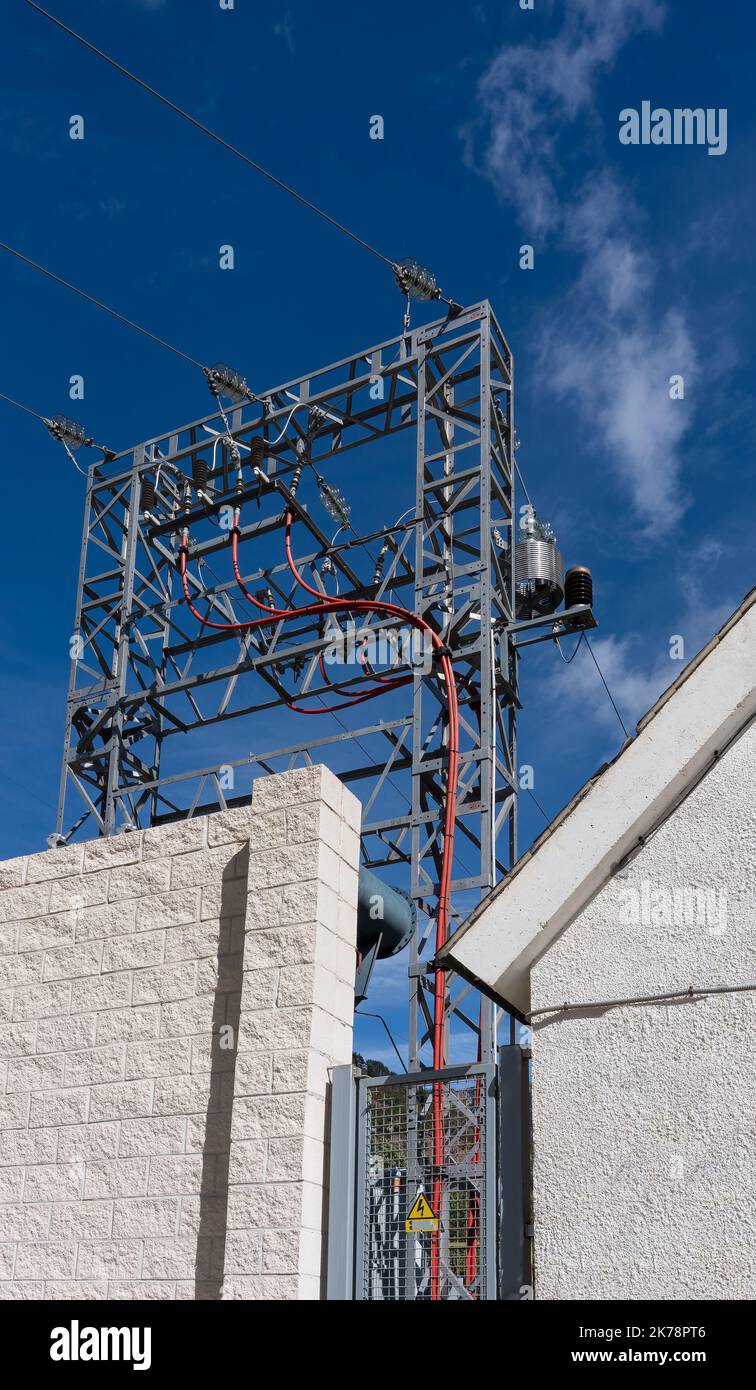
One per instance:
[(145, 676)]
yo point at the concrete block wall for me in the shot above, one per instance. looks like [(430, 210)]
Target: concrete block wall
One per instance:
[(170, 1004), (297, 1007)]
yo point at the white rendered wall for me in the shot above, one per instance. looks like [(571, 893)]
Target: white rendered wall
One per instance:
[(645, 1115), (139, 1156)]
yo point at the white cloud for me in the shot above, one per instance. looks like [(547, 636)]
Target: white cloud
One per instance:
[(635, 684), (616, 370), (530, 93), (606, 346)]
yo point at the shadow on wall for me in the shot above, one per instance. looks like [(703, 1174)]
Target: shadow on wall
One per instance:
[(213, 1211)]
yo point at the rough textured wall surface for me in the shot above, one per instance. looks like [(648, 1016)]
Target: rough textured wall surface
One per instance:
[(297, 1008), (644, 1117), (141, 1156)]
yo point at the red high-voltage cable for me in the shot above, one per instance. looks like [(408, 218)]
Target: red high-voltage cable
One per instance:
[(277, 612), (329, 605), (283, 613), (387, 682), (334, 709), (276, 615)]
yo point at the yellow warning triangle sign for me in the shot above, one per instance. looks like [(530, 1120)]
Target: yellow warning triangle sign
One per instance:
[(421, 1216)]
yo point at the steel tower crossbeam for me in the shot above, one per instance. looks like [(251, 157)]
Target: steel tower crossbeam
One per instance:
[(148, 682)]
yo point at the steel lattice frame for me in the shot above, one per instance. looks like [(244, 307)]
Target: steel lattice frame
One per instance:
[(140, 675)]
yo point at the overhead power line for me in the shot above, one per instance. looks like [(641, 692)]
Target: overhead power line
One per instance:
[(20, 406), (83, 294), (199, 125), (226, 145), (11, 780), (545, 815), (606, 687)]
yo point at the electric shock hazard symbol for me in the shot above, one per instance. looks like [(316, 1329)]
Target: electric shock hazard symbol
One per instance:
[(421, 1216)]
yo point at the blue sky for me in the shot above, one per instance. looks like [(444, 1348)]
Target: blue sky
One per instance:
[(501, 129)]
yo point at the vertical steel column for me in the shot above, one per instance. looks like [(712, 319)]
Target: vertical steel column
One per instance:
[(362, 1231), (459, 400), (412, 1172), (340, 1275), (513, 1198), (169, 581), (488, 1158), (511, 712), (416, 965), (77, 633), (487, 765), (123, 637)]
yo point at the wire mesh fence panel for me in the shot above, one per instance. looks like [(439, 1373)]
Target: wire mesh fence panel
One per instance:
[(425, 1206)]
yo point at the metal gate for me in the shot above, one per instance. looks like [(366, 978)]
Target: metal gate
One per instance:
[(421, 1168)]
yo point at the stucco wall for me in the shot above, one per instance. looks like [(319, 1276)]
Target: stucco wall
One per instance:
[(644, 1115), (141, 1156)]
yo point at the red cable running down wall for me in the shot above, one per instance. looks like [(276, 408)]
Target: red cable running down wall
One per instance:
[(380, 608)]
